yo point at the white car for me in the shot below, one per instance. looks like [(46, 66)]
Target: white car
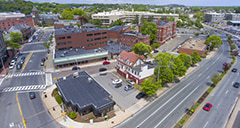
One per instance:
[(11, 66), (13, 62), (117, 81)]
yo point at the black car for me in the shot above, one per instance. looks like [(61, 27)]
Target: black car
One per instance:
[(234, 70), (43, 60), (155, 51), (118, 85), (76, 68), (236, 85), (102, 69), (141, 95), (32, 95)]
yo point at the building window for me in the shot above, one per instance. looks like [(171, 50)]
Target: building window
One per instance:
[(104, 32), (62, 43), (89, 34), (69, 37), (104, 37), (97, 34), (90, 45), (97, 38), (59, 38), (69, 42), (89, 40)]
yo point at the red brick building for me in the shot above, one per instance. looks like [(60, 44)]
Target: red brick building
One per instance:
[(165, 30), (35, 15), (91, 38), (115, 31), (131, 38), (6, 24)]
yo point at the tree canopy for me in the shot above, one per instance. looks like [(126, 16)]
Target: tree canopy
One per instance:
[(149, 87), (195, 57), (149, 28), (142, 49), (16, 37), (67, 15), (214, 41)]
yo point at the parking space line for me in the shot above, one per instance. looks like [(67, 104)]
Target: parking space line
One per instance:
[(116, 75)]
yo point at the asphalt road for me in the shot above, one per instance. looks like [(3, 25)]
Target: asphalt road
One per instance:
[(167, 109), (223, 99), (35, 112)]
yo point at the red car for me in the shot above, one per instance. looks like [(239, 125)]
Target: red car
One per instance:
[(207, 107), (106, 62)]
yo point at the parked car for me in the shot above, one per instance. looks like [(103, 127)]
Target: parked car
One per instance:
[(11, 66), (130, 81), (128, 87), (76, 68), (117, 81), (21, 62), (102, 69), (13, 62), (43, 60), (19, 66), (141, 95), (155, 51), (236, 85), (42, 63), (106, 62), (207, 106), (118, 85), (23, 58), (234, 70), (32, 95)]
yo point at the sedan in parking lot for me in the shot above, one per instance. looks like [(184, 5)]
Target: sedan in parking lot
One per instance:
[(207, 106), (234, 70), (130, 81), (141, 95), (117, 81), (128, 87), (118, 85), (236, 85)]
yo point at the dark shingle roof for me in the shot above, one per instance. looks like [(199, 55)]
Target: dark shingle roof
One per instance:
[(20, 26), (118, 28), (83, 94), (63, 31), (117, 48)]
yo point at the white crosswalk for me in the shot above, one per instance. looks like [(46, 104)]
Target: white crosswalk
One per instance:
[(24, 74), (24, 88)]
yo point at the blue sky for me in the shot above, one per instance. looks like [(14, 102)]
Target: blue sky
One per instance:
[(157, 2)]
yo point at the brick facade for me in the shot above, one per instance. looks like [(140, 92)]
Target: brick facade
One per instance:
[(87, 39), (6, 24), (132, 38), (116, 34), (56, 26)]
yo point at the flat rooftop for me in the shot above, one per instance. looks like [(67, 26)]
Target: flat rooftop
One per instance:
[(63, 31), (84, 92), (117, 48), (195, 43)]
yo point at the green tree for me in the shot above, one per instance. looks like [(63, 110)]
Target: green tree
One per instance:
[(195, 57), (149, 28), (215, 78), (198, 24), (165, 74), (178, 67), (79, 12), (13, 45), (16, 37), (96, 22), (214, 41), (117, 22), (67, 15), (155, 45), (150, 19), (186, 59), (142, 19), (149, 87), (142, 49)]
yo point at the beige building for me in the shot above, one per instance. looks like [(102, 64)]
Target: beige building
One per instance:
[(109, 17)]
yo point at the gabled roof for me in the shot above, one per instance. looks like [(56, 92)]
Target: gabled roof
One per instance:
[(130, 56), (34, 8)]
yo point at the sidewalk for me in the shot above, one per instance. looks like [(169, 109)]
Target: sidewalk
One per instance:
[(234, 116)]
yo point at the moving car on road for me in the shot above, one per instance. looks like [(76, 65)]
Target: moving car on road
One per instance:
[(32, 95), (117, 81), (207, 106), (236, 85), (76, 68), (234, 70), (106, 62)]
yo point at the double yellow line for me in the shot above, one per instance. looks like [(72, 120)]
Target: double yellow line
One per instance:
[(24, 121), (27, 59)]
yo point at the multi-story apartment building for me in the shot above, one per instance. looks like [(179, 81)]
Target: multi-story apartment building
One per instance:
[(109, 17), (90, 38), (213, 17), (131, 38), (115, 31), (232, 16), (9, 19)]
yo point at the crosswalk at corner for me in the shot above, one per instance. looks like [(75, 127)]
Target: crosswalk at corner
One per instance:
[(25, 88), (24, 74), (16, 125)]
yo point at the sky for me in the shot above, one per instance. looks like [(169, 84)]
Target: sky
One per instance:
[(151, 2)]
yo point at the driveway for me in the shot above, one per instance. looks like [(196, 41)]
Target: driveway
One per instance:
[(124, 99)]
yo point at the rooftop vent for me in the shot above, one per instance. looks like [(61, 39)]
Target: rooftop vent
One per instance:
[(75, 75), (89, 80), (64, 78)]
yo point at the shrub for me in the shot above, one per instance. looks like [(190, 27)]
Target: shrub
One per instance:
[(58, 99), (73, 115), (203, 56)]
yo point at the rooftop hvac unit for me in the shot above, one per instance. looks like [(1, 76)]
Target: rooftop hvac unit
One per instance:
[(89, 80), (64, 78), (75, 75)]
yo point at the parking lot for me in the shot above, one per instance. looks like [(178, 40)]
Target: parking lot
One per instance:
[(124, 99)]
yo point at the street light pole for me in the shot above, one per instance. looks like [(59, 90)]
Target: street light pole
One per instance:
[(3, 64)]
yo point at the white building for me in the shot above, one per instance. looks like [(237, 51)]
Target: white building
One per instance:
[(109, 17), (213, 17), (10, 15)]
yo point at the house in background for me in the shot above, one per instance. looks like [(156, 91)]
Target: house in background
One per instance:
[(23, 29), (132, 66)]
